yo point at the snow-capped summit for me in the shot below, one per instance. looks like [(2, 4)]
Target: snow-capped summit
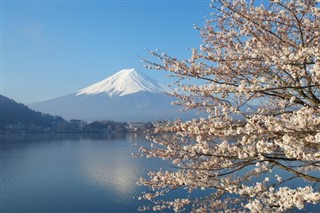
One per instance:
[(124, 82), (128, 95)]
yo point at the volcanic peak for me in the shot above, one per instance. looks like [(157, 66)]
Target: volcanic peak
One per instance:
[(124, 82)]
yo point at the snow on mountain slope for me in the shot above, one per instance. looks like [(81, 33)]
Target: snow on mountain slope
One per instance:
[(125, 96), (124, 82)]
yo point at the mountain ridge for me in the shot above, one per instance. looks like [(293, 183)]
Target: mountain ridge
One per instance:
[(124, 82), (127, 95), (13, 112)]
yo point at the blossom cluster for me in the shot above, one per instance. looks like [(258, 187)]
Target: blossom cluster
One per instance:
[(257, 90)]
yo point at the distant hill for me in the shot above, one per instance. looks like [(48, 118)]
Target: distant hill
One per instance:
[(12, 112)]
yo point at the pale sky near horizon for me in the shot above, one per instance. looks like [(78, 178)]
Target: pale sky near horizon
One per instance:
[(53, 48)]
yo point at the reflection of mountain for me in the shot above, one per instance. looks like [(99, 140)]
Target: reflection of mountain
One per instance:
[(126, 96), (13, 113)]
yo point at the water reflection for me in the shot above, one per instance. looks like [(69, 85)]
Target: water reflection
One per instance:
[(73, 173), (110, 169)]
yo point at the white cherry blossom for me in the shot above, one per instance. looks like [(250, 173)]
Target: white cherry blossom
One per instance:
[(256, 145)]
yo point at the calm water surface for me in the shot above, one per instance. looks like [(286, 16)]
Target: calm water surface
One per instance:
[(74, 173)]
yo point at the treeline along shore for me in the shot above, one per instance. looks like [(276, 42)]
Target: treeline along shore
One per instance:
[(76, 126), (16, 118)]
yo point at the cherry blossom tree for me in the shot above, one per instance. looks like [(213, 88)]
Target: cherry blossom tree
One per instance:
[(256, 82)]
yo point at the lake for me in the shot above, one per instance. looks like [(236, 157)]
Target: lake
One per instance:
[(71, 173), (75, 173)]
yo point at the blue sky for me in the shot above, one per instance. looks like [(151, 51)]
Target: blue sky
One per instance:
[(53, 48)]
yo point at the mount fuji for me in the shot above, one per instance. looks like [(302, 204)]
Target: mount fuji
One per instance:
[(128, 95)]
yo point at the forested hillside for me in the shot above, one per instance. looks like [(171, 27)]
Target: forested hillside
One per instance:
[(12, 112)]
